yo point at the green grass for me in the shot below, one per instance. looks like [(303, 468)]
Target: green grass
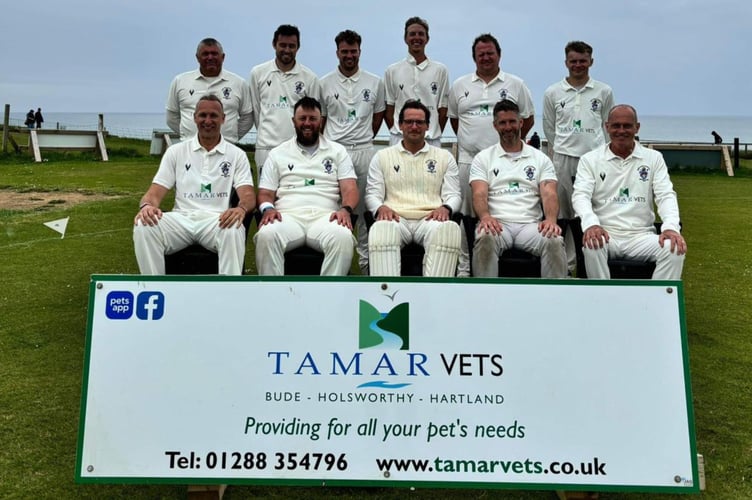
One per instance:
[(43, 313)]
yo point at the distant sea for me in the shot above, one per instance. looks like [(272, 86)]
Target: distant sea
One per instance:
[(652, 128)]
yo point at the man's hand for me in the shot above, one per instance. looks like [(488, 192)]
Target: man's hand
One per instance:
[(342, 216), (549, 228), (148, 215), (489, 224), (440, 214), (595, 237), (678, 245), (269, 216), (386, 213), (231, 217)]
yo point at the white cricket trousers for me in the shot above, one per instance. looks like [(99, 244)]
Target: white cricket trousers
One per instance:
[(177, 230)]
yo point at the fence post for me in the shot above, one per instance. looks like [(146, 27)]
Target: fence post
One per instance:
[(736, 154), (6, 123), (100, 123)]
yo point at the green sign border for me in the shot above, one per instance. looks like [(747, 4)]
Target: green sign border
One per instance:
[(676, 285)]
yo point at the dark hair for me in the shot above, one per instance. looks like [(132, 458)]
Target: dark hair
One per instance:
[(209, 42), (307, 102), (416, 20), (414, 104), (286, 30), (486, 38), (349, 37), (578, 46), (506, 105), (211, 98)]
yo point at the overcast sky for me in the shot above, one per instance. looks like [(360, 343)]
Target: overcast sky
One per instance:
[(666, 57)]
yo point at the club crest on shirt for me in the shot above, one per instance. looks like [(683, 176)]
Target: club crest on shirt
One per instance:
[(530, 172), (603, 176), (290, 166), (401, 86), (502, 94), (191, 91), (336, 95), (299, 88), (596, 105), (366, 95), (562, 104), (187, 167), (226, 92), (496, 172), (328, 166), (268, 83), (224, 167), (434, 88), (644, 172), (396, 168), (431, 166)]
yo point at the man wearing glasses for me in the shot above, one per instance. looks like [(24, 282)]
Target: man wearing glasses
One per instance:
[(412, 190)]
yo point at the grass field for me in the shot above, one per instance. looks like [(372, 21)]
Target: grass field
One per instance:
[(43, 311)]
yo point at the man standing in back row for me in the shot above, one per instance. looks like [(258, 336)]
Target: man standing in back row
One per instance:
[(276, 86), (417, 78), (574, 114), (352, 106), (471, 102), (187, 88)]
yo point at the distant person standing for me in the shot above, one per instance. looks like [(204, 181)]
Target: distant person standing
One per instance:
[(471, 102), (30, 119), (419, 78), (717, 139), (535, 140), (574, 115), (276, 86), (352, 105), (38, 118), (187, 88)]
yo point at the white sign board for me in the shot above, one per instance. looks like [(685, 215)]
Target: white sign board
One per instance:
[(472, 383)]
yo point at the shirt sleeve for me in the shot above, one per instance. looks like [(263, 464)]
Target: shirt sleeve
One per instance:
[(374, 185), (582, 196), (450, 188)]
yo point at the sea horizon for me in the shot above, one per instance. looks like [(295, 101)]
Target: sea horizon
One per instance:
[(654, 128)]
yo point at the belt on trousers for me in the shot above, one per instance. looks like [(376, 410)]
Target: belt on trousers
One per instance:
[(357, 147)]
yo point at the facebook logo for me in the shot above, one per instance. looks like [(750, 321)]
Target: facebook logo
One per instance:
[(150, 305)]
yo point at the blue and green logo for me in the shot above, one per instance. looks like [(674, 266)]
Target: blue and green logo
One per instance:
[(390, 330)]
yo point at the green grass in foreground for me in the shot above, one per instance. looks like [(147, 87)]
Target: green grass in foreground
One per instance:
[(43, 323)]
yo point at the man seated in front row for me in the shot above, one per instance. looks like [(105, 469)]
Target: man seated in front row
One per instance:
[(413, 189), (307, 191), (203, 170), (615, 191), (509, 181)]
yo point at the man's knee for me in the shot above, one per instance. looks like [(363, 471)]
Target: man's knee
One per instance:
[(383, 235), (446, 235)]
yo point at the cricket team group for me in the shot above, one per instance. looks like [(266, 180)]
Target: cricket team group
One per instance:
[(319, 169)]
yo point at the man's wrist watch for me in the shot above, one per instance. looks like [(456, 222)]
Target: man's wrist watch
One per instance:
[(348, 208)]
